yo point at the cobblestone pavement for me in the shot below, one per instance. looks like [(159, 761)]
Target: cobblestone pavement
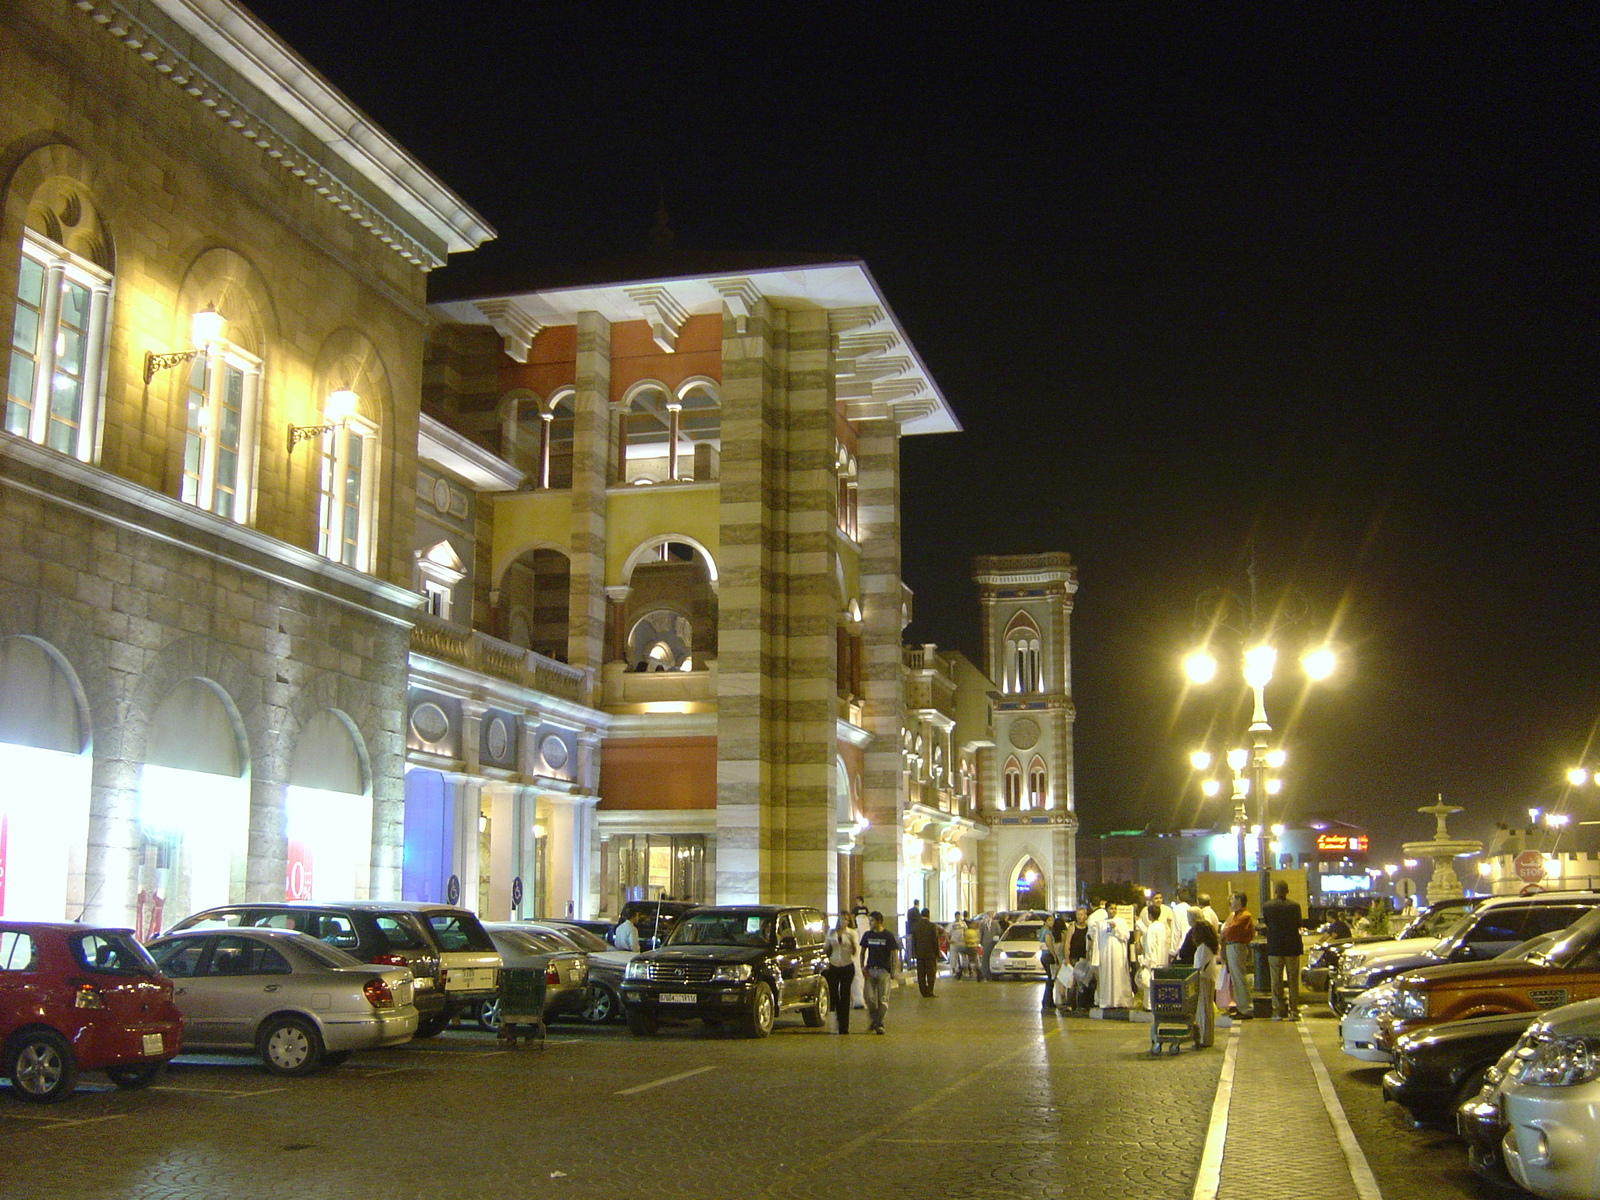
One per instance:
[(971, 1094)]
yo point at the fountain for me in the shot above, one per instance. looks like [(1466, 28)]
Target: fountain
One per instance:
[(1443, 882)]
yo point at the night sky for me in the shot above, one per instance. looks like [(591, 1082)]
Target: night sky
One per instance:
[(1309, 284)]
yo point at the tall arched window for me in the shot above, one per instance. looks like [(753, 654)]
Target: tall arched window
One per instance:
[(1011, 795), (1021, 667), (1036, 784), (220, 400), (58, 339), (345, 483)]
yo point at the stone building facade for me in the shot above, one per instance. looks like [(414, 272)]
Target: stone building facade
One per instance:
[(207, 586)]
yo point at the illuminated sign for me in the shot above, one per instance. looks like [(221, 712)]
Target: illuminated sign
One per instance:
[(1341, 844)]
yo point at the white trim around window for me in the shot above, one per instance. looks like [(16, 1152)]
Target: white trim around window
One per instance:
[(346, 487)]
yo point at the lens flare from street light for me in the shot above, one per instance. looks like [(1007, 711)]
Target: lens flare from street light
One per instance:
[(1318, 663), (1258, 664), (1577, 776), (1200, 760), (1200, 666), (1486, 869), (1237, 758), (1556, 820), (1211, 787), (1274, 786), (1276, 758)]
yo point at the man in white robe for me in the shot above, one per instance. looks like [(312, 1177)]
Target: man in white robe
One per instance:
[(1115, 988)]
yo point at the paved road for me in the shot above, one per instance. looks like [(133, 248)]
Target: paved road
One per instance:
[(970, 1094)]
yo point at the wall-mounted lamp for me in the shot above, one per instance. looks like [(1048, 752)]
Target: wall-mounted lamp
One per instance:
[(205, 329), (341, 406)]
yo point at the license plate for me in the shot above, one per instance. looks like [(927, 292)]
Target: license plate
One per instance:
[(678, 998), (423, 983), (460, 980), (152, 1043)]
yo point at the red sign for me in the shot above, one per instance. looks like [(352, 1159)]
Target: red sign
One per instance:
[(1342, 844), (297, 884), (1530, 866)]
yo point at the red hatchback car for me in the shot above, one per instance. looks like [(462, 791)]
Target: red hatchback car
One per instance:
[(76, 998)]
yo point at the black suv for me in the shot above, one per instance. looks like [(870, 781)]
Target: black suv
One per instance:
[(447, 951), (736, 963)]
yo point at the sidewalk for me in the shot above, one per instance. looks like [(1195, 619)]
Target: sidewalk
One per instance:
[(1276, 1127)]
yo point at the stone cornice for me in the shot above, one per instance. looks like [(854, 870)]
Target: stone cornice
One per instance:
[(272, 97)]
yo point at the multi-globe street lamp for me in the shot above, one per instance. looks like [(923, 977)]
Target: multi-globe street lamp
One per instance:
[(1261, 757)]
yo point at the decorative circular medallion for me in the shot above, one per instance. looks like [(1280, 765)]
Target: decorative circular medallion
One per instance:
[(441, 495), (429, 722), (554, 752), (499, 737), (1024, 733)]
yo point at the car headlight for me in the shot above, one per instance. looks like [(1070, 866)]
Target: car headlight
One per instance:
[(1409, 1005), (731, 973), (638, 969), (1372, 1001), (1562, 1062)]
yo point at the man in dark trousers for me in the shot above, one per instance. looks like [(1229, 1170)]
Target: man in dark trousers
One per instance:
[(925, 949), (1282, 918)]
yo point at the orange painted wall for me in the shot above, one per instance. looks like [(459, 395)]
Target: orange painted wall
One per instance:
[(658, 773), (552, 363), (635, 356)]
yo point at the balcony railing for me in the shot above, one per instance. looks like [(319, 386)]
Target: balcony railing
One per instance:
[(476, 651)]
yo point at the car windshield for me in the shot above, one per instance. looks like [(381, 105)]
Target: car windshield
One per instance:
[(1574, 940), (1452, 937), (584, 939), (107, 950), (723, 929), (459, 931), (1023, 931)]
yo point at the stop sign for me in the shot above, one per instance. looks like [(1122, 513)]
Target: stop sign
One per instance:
[(1530, 866)]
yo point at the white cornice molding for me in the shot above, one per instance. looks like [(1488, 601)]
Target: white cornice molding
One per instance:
[(663, 312), (442, 222), (440, 446), (515, 327)]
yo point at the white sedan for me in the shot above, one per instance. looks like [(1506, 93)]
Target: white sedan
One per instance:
[(1358, 1028), (1016, 953), (1549, 1099)]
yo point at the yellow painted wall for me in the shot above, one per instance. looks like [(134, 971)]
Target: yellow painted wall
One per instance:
[(524, 520)]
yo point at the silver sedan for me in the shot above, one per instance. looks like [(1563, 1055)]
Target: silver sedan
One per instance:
[(295, 1001), (566, 969)]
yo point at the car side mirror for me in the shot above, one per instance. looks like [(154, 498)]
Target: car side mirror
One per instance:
[(788, 943), (1468, 952)]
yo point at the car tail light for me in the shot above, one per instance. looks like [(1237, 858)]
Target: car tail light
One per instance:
[(88, 996), (390, 960), (378, 994), (551, 974)]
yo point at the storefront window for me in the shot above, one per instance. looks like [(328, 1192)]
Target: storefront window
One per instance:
[(651, 867)]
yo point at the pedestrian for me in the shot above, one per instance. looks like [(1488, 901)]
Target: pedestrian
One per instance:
[(988, 934), (952, 941), (971, 947), (1049, 959), (1115, 989), (1209, 913), (880, 954), (1079, 968), (859, 910), (1205, 962), (861, 921), (1238, 931), (1155, 950), (1285, 947), (925, 949), (841, 947), (626, 934)]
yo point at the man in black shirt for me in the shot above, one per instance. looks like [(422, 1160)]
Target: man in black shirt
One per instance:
[(880, 960), (1281, 916)]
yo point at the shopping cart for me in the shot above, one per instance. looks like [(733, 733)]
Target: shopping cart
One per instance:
[(521, 1004), (1174, 992)]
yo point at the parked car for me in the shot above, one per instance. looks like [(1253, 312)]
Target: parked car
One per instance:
[(452, 959), (529, 947), (1322, 957), (1016, 952), (285, 996), (1358, 1027), (1547, 975), (1543, 1102), (1487, 932), (606, 967), (81, 998), (732, 964), (654, 919), (1438, 1069)]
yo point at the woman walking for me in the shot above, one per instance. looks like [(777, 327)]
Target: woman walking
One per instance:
[(842, 947), (1205, 962)]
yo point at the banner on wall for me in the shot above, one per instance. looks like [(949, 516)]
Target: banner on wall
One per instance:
[(297, 885)]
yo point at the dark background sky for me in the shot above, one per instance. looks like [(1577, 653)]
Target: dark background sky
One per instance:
[(1316, 279)]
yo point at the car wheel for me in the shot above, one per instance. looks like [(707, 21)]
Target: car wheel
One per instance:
[(599, 1005), (817, 1014), (41, 1067), (641, 1023), (489, 1015), (133, 1078), (762, 1011), (433, 1026), (290, 1046)]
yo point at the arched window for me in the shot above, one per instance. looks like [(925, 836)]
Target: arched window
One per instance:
[(1021, 667), (58, 340), (345, 485), (849, 490), (1011, 796), (220, 399), (1036, 784), (555, 442)]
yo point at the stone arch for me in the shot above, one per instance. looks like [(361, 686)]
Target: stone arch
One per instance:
[(1028, 858), (517, 413), (42, 704), (532, 598), (349, 359), (230, 283), (27, 613), (55, 190), (200, 658), (641, 554)]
